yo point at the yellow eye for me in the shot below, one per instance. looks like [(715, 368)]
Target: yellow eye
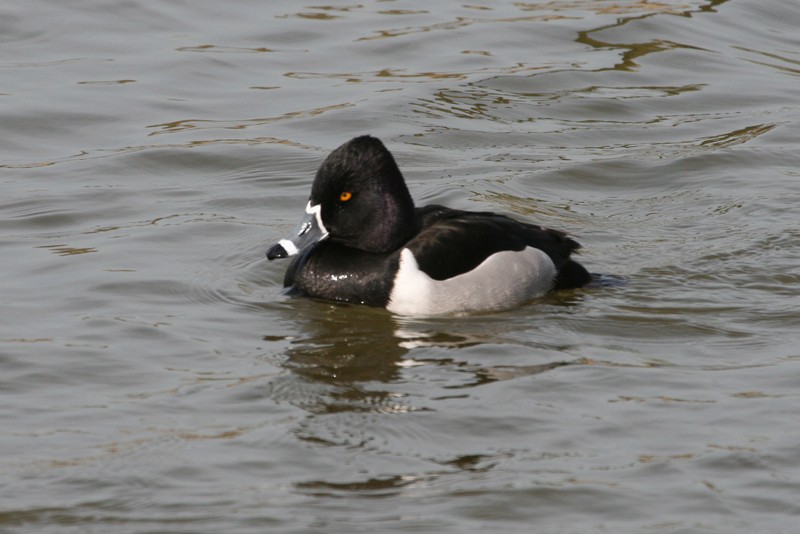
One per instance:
[(345, 196)]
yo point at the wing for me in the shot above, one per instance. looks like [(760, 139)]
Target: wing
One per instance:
[(453, 242)]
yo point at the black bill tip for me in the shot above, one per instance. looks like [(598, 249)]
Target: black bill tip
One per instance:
[(277, 251)]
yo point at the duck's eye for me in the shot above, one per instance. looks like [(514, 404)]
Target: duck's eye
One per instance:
[(344, 196)]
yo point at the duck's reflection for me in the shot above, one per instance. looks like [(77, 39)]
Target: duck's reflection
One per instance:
[(357, 358), (344, 344), (376, 386)]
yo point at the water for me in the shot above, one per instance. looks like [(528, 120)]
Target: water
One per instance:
[(156, 379)]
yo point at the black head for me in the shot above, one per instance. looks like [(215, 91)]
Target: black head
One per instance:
[(364, 199)]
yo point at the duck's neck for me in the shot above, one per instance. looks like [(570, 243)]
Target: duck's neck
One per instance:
[(397, 224)]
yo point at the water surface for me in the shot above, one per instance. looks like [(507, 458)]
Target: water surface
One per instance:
[(156, 379)]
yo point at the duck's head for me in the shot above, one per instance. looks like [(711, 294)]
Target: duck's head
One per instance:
[(359, 199)]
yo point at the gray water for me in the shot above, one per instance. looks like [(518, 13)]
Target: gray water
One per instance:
[(155, 378)]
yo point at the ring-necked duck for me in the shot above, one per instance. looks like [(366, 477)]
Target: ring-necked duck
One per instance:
[(365, 242)]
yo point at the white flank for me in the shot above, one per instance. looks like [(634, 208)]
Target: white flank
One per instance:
[(504, 280)]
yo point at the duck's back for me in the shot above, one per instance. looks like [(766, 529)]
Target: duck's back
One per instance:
[(452, 242)]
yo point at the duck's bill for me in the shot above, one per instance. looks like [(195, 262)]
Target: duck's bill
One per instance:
[(310, 231)]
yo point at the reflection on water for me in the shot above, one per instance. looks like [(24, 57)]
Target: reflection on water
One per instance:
[(64, 250), (353, 349), (199, 124)]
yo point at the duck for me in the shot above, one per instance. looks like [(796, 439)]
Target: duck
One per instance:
[(363, 241)]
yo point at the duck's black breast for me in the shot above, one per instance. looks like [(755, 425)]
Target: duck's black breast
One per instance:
[(452, 242), (335, 272)]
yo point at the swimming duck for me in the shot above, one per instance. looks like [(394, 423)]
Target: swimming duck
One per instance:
[(363, 241)]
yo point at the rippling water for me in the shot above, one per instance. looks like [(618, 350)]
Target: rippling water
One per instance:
[(156, 379)]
